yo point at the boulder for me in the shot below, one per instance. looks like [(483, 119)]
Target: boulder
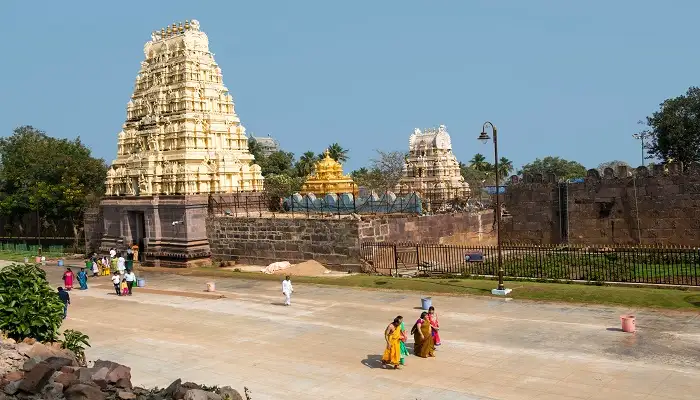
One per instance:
[(70, 370), (229, 393), (172, 388), (177, 389), (35, 380), (12, 387), (120, 377), (9, 341), (66, 379), (13, 376), (82, 391), (124, 395), (31, 363), (110, 365), (56, 363), (29, 341), (100, 377), (85, 374), (53, 391), (199, 394)]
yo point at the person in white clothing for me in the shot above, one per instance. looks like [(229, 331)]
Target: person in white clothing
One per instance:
[(121, 265), (287, 290), (112, 253), (116, 280), (129, 277)]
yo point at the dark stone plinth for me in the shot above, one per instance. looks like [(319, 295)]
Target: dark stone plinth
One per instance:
[(170, 230)]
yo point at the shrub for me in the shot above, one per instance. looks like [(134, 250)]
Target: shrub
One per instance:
[(76, 342), (29, 307)]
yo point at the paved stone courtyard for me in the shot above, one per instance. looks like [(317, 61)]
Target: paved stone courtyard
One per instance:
[(328, 344)]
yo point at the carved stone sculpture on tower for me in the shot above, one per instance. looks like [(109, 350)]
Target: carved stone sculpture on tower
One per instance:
[(431, 168), (181, 114)]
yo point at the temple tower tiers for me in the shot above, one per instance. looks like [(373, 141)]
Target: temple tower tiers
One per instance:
[(182, 134), (431, 168)]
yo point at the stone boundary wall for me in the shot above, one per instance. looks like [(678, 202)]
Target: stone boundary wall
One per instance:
[(334, 242), (657, 205)]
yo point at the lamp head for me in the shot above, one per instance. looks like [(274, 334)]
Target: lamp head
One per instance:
[(484, 137)]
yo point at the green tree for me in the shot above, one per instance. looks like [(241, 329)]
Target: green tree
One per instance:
[(306, 164), (29, 307), (505, 167), (675, 128), (255, 149), (561, 168), (337, 152), (278, 163), (479, 163), (55, 178), (278, 187)]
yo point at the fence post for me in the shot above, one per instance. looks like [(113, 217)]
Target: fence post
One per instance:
[(396, 261)]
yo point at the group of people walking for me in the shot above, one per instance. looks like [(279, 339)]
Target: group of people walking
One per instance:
[(123, 276), (425, 333)]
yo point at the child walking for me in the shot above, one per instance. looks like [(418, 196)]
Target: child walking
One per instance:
[(116, 280)]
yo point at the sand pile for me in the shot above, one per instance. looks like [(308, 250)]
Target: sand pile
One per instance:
[(307, 268)]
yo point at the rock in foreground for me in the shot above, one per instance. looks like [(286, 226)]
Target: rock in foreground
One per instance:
[(32, 370)]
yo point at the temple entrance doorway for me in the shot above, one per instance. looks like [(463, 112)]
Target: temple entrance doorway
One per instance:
[(137, 223)]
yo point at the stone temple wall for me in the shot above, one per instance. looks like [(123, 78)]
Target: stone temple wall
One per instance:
[(334, 242), (658, 205)]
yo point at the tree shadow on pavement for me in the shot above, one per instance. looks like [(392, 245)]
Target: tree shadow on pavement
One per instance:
[(373, 361)]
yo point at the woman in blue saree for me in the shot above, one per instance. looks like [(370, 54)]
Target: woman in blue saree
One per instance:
[(82, 279)]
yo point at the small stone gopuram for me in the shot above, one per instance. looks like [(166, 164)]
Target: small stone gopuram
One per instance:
[(182, 134), (327, 178), (431, 169), (182, 144)]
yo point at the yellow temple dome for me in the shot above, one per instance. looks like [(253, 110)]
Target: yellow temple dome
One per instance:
[(328, 178)]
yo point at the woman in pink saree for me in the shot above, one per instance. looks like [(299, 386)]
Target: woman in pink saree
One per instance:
[(433, 319), (68, 279)]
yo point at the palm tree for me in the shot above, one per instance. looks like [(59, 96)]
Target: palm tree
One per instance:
[(505, 167), (479, 163), (338, 153), (306, 164)]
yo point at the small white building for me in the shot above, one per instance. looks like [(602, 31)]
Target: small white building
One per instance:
[(268, 144)]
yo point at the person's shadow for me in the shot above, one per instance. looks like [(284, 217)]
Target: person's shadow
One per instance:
[(373, 361)]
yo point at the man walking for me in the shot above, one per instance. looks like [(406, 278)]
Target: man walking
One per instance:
[(287, 290), (121, 264), (129, 277), (65, 298)]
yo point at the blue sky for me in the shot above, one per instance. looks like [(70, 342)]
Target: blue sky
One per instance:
[(557, 77)]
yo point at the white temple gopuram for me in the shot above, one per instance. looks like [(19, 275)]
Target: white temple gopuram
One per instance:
[(181, 135), (431, 168)]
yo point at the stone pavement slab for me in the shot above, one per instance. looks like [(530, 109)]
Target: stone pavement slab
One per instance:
[(327, 345)]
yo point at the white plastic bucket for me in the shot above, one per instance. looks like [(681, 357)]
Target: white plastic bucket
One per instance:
[(628, 323), (211, 287)]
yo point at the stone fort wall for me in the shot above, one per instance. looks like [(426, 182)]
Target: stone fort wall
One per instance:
[(657, 205), (334, 242)]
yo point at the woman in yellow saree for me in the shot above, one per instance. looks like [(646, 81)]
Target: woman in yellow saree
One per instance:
[(392, 335), (424, 345)]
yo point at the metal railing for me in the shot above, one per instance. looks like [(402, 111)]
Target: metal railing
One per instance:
[(259, 204), (648, 264)]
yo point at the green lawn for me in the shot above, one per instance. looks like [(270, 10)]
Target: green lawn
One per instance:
[(677, 299)]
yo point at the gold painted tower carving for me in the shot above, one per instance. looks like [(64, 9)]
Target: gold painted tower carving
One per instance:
[(182, 134), (328, 178)]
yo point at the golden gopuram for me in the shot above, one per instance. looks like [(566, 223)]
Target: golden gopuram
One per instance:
[(182, 145), (328, 178), (182, 134)]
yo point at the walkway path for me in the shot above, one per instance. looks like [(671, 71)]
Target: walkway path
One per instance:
[(327, 345)]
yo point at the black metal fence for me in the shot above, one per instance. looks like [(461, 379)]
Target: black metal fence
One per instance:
[(652, 264)]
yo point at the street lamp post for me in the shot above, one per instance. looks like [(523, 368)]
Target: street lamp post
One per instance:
[(484, 137), (641, 136)]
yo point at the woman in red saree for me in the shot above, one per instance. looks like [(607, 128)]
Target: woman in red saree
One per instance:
[(68, 279), (433, 319)]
